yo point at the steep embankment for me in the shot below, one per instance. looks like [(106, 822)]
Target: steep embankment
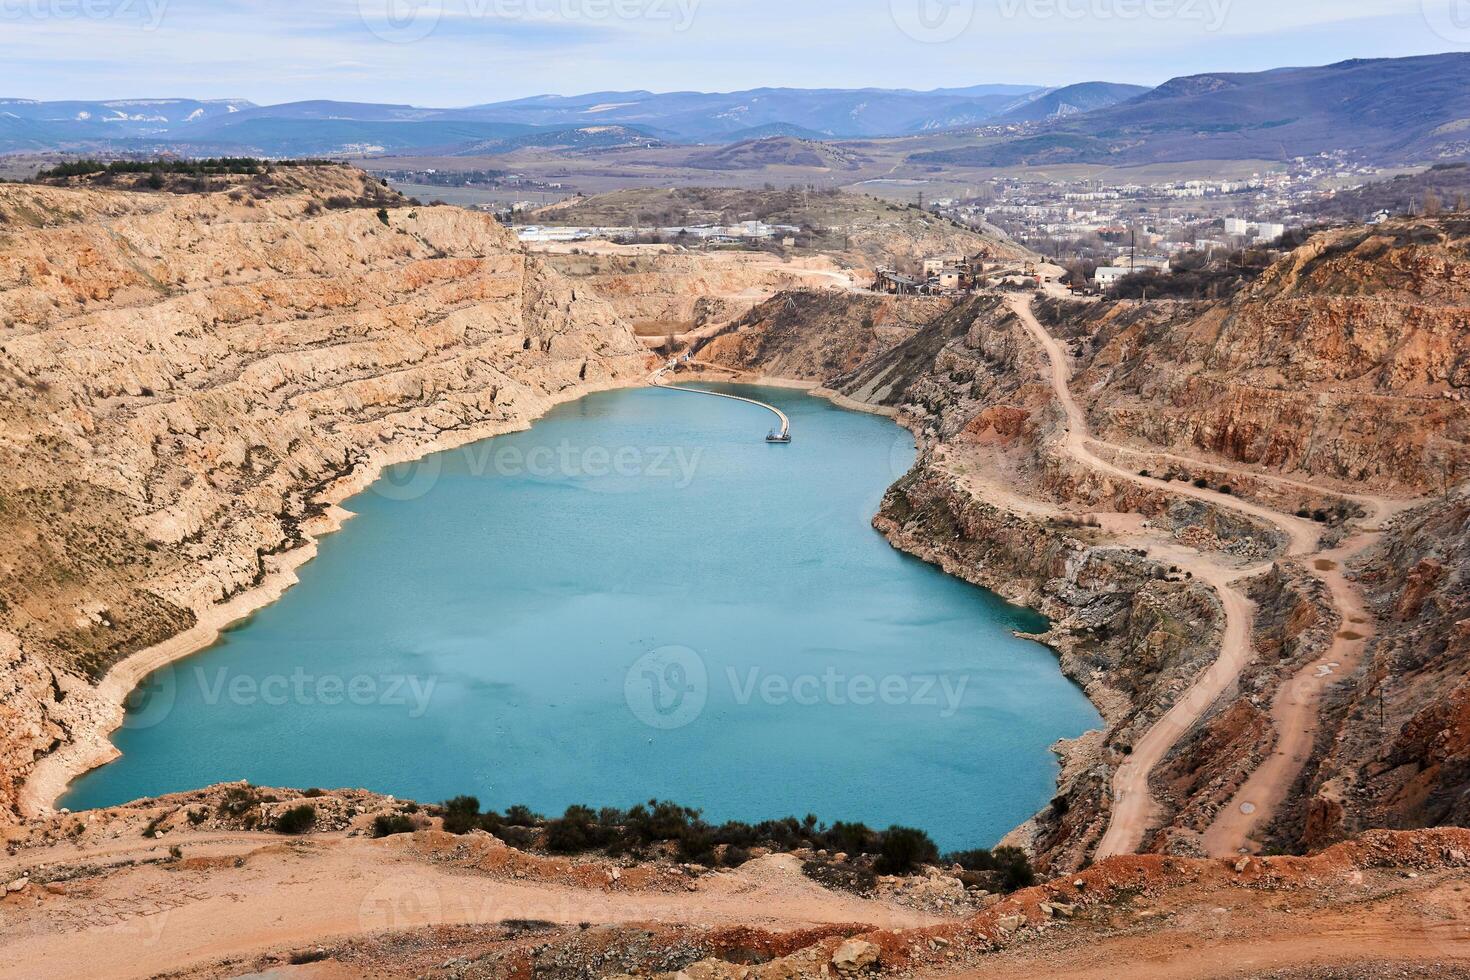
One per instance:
[(809, 336), (662, 290), (186, 380), (1349, 361), (1398, 754)]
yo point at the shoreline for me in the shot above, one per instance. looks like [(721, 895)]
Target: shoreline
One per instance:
[(54, 773)]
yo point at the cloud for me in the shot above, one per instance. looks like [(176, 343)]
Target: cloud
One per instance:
[(478, 51)]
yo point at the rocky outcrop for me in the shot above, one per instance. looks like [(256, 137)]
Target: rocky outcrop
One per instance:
[(187, 380), (1126, 630), (814, 336), (1348, 360), (1398, 755), (664, 289)]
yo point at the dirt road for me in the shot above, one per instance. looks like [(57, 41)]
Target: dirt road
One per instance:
[(1295, 710), (237, 895)]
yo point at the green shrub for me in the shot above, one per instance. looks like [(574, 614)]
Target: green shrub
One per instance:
[(659, 820), (1010, 865), (522, 816), (297, 820), (238, 801), (576, 831), (388, 824), (904, 849), (851, 838), (461, 814)]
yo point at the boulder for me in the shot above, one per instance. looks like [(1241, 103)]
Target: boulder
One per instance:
[(854, 956)]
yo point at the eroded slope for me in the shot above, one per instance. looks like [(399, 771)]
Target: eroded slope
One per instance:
[(185, 379)]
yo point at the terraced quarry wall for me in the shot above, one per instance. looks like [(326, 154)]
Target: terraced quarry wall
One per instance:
[(185, 381)]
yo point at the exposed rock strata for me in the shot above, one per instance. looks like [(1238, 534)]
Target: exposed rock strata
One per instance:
[(1126, 631), (1348, 360), (810, 336), (1339, 369), (186, 380), (1396, 750)]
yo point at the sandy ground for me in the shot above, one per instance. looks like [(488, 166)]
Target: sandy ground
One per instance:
[(236, 895), (243, 904), (1388, 936)]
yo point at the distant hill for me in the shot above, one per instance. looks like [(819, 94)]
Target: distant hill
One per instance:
[(26, 124), (572, 138), (720, 117), (1404, 194), (776, 129), (1381, 110), (1070, 100), (690, 117), (776, 151), (319, 137)]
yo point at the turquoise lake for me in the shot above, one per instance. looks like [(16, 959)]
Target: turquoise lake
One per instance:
[(638, 597)]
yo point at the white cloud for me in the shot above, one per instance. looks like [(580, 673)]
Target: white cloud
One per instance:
[(482, 50)]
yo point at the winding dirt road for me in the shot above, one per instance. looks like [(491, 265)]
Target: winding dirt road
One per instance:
[(1295, 710)]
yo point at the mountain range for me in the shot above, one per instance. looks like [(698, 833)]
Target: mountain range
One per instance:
[(1386, 109), (321, 126), (1405, 109)]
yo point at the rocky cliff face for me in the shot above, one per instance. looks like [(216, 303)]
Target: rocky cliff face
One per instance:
[(812, 336), (185, 380), (1398, 754), (663, 289), (1338, 369), (1126, 630), (1349, 360)]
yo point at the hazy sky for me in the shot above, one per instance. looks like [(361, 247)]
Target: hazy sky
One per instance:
[(461, 52)]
